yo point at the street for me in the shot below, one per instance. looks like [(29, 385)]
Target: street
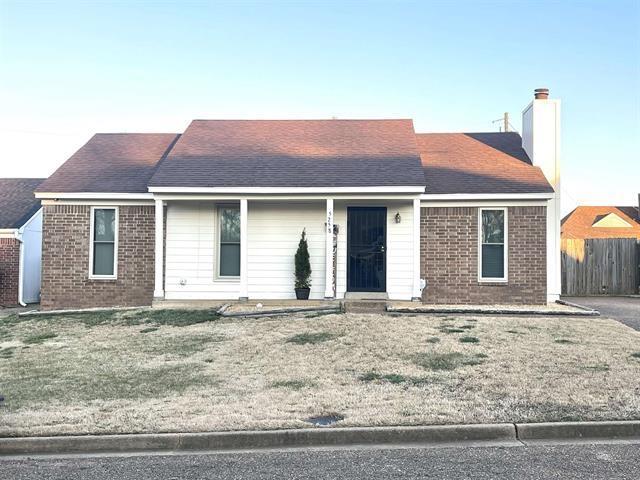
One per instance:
[(575, 461)]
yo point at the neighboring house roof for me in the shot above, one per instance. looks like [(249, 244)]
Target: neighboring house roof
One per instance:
[(17, 202), (598, 222), (293, 153), (478, 163), (111, 162)]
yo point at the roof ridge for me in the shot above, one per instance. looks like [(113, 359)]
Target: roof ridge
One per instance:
[(404, 119), (465, 133)]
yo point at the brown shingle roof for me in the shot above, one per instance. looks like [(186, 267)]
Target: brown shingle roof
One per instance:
[(17, 202), (111, 162), (579, 223), (293, 153), (478, 163)]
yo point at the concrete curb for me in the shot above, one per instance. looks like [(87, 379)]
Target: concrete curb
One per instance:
[(310, 437), (277, 312), (581, 307), (494, 311), (317, 437), (578, 430)]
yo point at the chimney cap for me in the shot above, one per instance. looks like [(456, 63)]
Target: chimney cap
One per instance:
[(541, 93)]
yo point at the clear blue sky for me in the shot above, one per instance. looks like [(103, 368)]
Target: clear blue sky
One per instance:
[(70, 69)]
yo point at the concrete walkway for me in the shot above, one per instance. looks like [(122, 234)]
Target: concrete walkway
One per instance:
[(624, 309)]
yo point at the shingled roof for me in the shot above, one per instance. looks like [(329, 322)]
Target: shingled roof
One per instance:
[(293, 153), (478, 163), (17, 202), (111, 162), (300, 153), (580, 222)]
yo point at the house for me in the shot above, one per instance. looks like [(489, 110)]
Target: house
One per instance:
[(601, 222), (216, 212), (601, 251), (20, 241)]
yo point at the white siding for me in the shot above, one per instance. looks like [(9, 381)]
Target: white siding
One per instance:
[(32, 261), (190, 254), (273, 233)]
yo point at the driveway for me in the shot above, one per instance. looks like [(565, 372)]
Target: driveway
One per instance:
[(623, 309)]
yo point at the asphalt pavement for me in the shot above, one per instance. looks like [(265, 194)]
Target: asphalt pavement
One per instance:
[(624, 309), (569, 461)]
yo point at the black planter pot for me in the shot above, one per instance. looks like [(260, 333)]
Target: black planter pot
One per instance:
[(302, 293)]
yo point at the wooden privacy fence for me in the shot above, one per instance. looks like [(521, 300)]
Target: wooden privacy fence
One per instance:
[(600, 266)]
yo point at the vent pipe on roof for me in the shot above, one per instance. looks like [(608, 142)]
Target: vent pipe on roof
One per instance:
[(541, 93)]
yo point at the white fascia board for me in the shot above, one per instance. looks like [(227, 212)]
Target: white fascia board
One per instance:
[(8, 232), (288, 190), (279, 197), (486, 196), (485, 203), (94, 196)]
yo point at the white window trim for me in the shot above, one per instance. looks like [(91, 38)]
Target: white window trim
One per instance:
[(218, 239), (92, 276), (505, 278)]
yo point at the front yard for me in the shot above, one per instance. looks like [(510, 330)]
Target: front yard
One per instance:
[(163, 371)]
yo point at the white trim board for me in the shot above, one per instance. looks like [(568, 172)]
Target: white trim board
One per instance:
[(98, 202), (486, 203), (268, 190), (486, 196), (94, 195), (505, 250), (92, 276), (280, 198)]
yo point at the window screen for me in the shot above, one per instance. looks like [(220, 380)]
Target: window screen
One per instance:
[(104, 239), (493, 244), (229, 242)]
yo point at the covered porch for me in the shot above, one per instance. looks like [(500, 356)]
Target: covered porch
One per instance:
[(224, 247)]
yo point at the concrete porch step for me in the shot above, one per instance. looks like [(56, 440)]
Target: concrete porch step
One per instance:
[(365, 306)]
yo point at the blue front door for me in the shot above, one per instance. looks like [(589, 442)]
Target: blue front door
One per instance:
[(366, 249)]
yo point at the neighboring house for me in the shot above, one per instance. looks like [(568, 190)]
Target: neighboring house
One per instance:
[(216, 213), (20, 241), (601, 251), (601, 222)]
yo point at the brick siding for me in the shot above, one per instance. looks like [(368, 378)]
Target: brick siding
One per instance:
[(9, 271), (65, 259), (449, 257)]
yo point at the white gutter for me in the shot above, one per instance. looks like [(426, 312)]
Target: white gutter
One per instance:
[(95, 195), (289, 190), (487, 196)]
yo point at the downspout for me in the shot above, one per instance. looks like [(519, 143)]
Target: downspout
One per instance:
[(18, 235)]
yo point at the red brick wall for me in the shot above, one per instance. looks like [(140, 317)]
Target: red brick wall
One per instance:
[(65, 259), (9, 271), (449, 257)]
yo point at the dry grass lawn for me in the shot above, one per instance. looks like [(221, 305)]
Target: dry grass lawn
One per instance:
[(163, 371)]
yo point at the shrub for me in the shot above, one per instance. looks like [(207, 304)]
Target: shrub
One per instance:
[(303, 267)]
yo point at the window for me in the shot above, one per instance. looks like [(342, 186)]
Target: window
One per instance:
[(229, 242), (492, 258), (104, 242)]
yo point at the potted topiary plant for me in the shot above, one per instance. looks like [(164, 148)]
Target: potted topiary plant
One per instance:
[(303, 269)]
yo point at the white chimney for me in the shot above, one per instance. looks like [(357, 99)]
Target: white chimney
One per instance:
[(541, 141)]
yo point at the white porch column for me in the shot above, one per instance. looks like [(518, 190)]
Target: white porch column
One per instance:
[(158, 290), (417, 291), (328, 279), (244, 250)]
